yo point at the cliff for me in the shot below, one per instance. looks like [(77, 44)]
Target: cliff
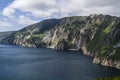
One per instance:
[(5, 34), (96, 35)]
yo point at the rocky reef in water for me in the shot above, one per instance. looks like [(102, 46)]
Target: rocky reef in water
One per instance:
[(97, 36)]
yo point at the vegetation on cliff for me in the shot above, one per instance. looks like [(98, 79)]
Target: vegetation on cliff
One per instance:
[(5, 34), (95, 35)]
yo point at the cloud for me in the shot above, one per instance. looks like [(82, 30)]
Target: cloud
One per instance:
[(23, 20), (26, 12), (5, 24), (36, 8), (102, 3), (60, 8), (8, 12)]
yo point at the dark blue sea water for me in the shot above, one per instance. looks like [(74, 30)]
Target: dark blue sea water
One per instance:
[(18, 63)]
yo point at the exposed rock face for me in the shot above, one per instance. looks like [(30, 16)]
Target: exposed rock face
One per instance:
[(61, 45), (107, 62), (95, 35)]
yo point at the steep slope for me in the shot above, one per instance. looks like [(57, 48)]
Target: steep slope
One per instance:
[(95, 35), (5, 34)]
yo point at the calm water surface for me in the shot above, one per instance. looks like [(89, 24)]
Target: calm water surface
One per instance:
[(18, 63)]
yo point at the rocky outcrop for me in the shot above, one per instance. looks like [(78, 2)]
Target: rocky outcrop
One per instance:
[(61, 45), (107, 62), (97, 36)]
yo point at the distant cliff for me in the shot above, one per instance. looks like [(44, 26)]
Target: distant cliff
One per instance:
[(96, 35), (5, 34)]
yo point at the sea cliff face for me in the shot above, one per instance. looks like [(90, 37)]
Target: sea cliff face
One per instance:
[(96, 35), (5, 34), (107, 62)]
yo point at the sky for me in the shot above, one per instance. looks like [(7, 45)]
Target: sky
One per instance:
[(16, 14)]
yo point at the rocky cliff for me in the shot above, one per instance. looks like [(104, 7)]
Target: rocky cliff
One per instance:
[(96, 35), (5, 34)]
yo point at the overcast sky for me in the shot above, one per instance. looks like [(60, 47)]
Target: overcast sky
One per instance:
[(16, 14)]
